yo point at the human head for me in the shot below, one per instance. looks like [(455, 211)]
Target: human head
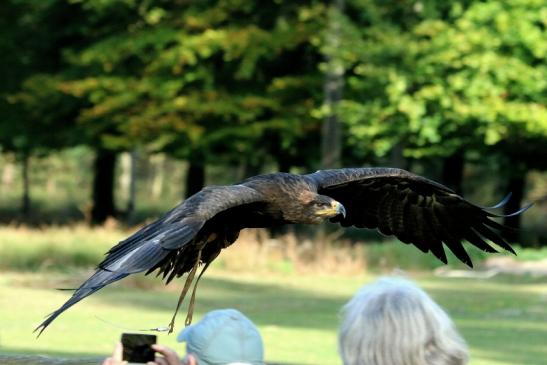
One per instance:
[(394, 322), (224, 337)]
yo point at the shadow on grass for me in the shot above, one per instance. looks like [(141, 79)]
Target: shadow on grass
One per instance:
[(13, 354), (510, 344), (32, 357)]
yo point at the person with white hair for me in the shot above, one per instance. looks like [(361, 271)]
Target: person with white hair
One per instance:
[(222, 337), (394, 322)]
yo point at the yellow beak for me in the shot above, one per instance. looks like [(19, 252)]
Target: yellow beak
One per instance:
[(335, 209)]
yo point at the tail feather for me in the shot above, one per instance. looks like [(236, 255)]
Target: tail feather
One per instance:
[(97, 281), (143, 251)]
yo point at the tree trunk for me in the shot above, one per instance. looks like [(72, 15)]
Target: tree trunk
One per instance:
[(132, 182), (103, 186), (7, 178), (452, 174), (127, 180), (195, 178), (25, 204), (158, 168), (247, 169), (516, 186), (331, 139), (397, 158), (284, 164)]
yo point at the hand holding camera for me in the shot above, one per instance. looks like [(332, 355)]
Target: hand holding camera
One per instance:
[(141, 349)]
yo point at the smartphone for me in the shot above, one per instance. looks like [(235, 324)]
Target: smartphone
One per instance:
[(136, 347)]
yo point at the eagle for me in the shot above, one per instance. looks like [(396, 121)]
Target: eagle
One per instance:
[(414, 209)]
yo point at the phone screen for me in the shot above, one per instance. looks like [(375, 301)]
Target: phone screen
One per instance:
[(136, 347)]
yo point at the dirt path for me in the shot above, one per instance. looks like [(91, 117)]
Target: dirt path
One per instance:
[(499, 265)]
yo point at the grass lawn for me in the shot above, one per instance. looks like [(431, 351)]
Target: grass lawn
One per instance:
[(503, 319)]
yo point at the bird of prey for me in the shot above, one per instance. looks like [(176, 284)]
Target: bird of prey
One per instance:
[(414, 209)]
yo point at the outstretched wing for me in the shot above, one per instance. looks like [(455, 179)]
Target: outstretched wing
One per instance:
[(168, 236), (414, 209)]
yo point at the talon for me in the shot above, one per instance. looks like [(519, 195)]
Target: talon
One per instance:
[(190, 313)]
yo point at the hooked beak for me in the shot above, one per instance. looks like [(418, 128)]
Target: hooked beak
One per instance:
[(334, 210), (341, 210)]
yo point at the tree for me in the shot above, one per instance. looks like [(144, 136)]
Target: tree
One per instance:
[(31, 106)]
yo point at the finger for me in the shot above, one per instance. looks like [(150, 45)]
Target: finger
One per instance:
[(158, 348), (161, 361), (118, 352), (170, 355), (111, 361)]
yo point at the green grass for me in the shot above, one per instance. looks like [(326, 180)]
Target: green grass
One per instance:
[(504, 320), (294, 302), (54, 248)]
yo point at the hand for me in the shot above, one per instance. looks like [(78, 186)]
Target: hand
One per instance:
[(116, 358), (170, 357)]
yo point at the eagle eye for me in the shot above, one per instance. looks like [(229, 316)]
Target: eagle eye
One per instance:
[(321, 204)]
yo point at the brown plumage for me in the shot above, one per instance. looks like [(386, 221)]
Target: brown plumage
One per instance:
[(416, 210)]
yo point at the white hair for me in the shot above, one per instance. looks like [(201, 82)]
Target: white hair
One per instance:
[(394, 322)]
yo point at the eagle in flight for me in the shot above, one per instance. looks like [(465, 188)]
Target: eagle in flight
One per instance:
[(414, 209)]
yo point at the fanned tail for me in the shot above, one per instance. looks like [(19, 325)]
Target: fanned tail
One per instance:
[(100, 279)]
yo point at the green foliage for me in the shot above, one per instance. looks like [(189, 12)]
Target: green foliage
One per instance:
[(468, 79), (224, 79), (35, 115), (219, 80)]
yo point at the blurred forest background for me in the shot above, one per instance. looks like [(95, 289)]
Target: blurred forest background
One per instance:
[(120, 108), (113, 111)]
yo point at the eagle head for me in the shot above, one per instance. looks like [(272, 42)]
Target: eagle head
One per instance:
[(322, 207)]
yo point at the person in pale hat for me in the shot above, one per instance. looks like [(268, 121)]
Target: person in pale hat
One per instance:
[(222, 337)]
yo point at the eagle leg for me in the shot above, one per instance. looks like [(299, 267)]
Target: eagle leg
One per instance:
[(190, 313), (187, 284)]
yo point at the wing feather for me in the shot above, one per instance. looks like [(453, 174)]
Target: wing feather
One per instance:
[(477, 241), (384, 214), (414, 209), (397, 221), (436, 246), (449, 233), (494, 237), (425, 237)]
